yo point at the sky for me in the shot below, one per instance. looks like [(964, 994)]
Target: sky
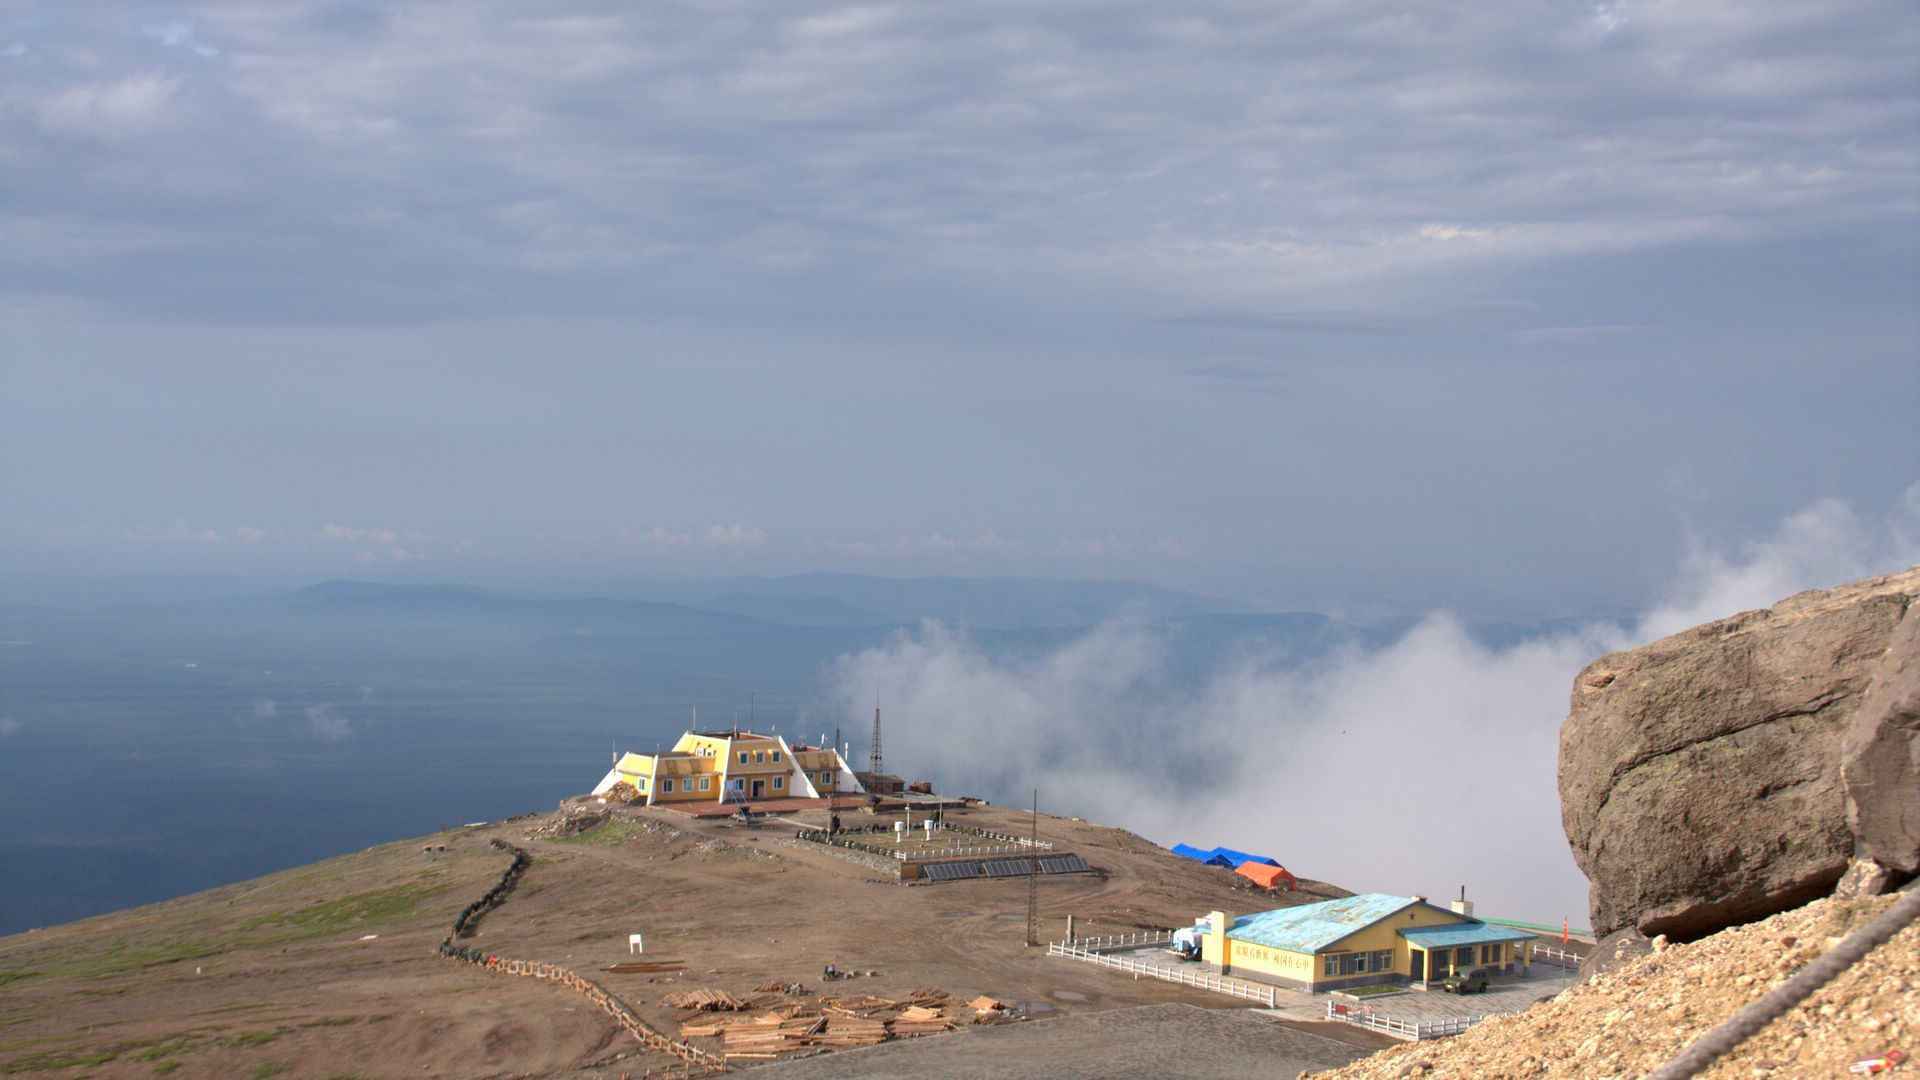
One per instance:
[(1497, 308)]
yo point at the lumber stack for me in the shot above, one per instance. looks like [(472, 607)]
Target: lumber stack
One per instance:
[(782, 1025), (705, 1000)]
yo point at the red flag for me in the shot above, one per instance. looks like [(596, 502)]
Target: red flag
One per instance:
[(1563, 931)]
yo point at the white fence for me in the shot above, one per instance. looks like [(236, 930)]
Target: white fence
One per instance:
[(1553, 955), (1364, 1016), (1123, 941), (1240, 988), (926, 854)]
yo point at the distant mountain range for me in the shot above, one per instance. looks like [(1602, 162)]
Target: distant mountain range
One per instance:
[(825, 600)]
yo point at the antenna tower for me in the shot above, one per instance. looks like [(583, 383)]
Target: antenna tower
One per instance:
[(873, 755)]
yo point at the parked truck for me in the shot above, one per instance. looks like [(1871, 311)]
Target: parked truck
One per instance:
[(1185, 943)]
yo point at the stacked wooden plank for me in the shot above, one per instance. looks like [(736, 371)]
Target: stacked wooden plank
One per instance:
[(705, 1000), (783, 1026)]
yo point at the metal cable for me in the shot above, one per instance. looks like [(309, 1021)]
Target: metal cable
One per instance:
[(1758, 1014)]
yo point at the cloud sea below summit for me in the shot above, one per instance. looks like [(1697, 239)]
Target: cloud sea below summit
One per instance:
[(148, 751)]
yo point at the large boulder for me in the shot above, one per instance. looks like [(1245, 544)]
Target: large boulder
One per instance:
[(1880, 756), (1700, 775)]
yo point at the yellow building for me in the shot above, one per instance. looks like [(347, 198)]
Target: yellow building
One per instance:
[(713, 766), (1359, 940)]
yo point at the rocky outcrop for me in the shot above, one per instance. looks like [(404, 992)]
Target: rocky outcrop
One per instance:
[(1880, 756), (1701, 775)]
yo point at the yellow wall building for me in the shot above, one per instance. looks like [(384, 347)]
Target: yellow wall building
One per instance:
[(712, 766), (1359, 940)]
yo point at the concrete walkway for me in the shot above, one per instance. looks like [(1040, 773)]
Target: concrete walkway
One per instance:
[(1508, 994)]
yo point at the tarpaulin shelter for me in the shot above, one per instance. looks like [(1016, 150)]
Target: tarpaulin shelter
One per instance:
[(1267, 877)]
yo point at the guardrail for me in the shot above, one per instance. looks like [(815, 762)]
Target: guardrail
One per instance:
[(1553, 955), (1363, 1016), (1219, 984)]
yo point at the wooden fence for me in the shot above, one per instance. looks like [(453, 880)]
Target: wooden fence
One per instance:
[(1203, 980)]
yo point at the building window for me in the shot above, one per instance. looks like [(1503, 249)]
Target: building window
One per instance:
[(1382, 961), (706, 783), (1463, 956), (826, 778), (759, 756), (779, 782), (666, 787), (775, 758), (640, 785), (743, 757), (1489, 954), (1333, 964)]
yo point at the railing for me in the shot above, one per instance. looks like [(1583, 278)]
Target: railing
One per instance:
[(1010, 838), (1240, 988), (1124, 941), (1364, 1016), (1554, 955), (918, 854)]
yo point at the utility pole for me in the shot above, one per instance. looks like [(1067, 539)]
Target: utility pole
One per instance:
[(1033, 877)]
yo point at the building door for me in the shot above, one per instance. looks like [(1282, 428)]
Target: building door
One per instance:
[(1416, 965), (759, 789)]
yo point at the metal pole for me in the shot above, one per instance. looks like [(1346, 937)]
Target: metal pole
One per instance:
[(1033, 877)]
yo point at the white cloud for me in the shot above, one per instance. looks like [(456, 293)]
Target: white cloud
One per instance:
[(1411, 768), (135, 105)]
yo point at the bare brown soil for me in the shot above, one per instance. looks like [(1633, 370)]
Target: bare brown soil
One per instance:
[(331, 970)]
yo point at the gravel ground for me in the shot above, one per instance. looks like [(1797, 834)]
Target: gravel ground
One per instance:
[(1630, 1022), (1149, 1042)]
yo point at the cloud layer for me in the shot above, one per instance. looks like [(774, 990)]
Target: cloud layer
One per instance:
[(1413, 768)]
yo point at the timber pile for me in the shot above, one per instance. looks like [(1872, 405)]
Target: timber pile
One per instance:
[(704, 1000), (633, 967), (785, 1026)]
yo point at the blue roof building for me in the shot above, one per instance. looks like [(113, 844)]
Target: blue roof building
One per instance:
[(1367, 939)]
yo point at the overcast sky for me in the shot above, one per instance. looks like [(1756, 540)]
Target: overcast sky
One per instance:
[(1496, 306)]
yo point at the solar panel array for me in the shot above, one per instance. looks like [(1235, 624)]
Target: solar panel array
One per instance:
[(950, 871), (1001, 868)]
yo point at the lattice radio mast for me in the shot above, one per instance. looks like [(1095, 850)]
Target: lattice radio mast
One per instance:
[(873, 755)]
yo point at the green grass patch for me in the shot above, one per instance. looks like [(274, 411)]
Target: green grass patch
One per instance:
[(243, 1007), (332, 1021), (121, 957), (166, 1049), (270, 1069), (63, 1059), (14, 975), (165, 1067), (606, 834), (249, 1038), (347, 913), (1371, 991), (42, 1041)]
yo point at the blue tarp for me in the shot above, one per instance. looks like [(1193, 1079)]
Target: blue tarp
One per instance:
[(1235, 858), (1191, 852)]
